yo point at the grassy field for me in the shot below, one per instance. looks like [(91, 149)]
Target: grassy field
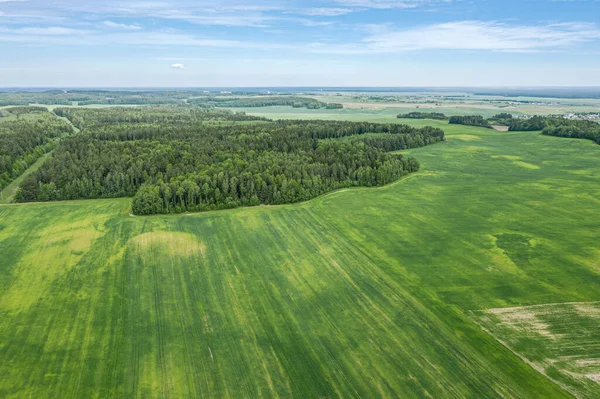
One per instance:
[(356, 111), (560, 340), (360, 293)]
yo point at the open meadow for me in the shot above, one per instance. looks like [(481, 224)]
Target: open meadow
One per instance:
[(368, 292)]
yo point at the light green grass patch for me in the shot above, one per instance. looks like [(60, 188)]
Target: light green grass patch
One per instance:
[(176, 243), (466, 137), (508, 157), (516, 160), (526, 165)]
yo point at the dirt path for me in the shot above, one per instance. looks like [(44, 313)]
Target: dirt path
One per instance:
[(7, 195)]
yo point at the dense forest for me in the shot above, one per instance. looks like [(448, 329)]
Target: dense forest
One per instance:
[(196, 98), (575, 129), (84, 118), (502, 119), (553, 126), (470, 120), (502, 116), (26, 133), (423, 115), (532, 124), (549, 125), (197, 160), (87, 97), (262, 101)]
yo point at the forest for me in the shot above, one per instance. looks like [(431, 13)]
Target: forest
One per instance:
[(575, 129), (555, 126), (84, 118), (470, 120), (532, 124), (423, 115), (26, 133), (180, 159), (87, 97), (262, 101), (549, 125), (198, 98)]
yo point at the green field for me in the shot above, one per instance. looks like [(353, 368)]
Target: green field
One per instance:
[(559, 340), (359, 293)]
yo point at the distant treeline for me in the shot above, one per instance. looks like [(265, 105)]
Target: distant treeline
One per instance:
[(26, 133), (423, 115), (559, 127), (550, 126), (131, 101), (501, 117), (263, 101), (190, 162), (204, 100), (470, 120), (84, 118), (88, 97), (532, 124), (575, 129)]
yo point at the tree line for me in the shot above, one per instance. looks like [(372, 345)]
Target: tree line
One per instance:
[(576, 129), (262, 101), (205, 164), (167, 97), (423, 115), (549, 125), (470, 120), (27, 133), (559, 127), (84, 118)]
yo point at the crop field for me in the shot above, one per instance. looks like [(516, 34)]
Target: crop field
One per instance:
[(373, 113), (372, 292), (359, 109), (560, 340)]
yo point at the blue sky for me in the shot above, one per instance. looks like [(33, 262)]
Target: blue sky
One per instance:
[(185, 43)]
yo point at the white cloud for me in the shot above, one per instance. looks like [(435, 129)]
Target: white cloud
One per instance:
[(311, 22), (389, 3), (178, 66), (471, 35), (115, 25), (50, 31), (379, 39), (149, 39), (225, 13), (322, 11), (257, 21)]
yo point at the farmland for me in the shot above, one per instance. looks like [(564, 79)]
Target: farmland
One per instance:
[(559, 340), (362, 292)]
